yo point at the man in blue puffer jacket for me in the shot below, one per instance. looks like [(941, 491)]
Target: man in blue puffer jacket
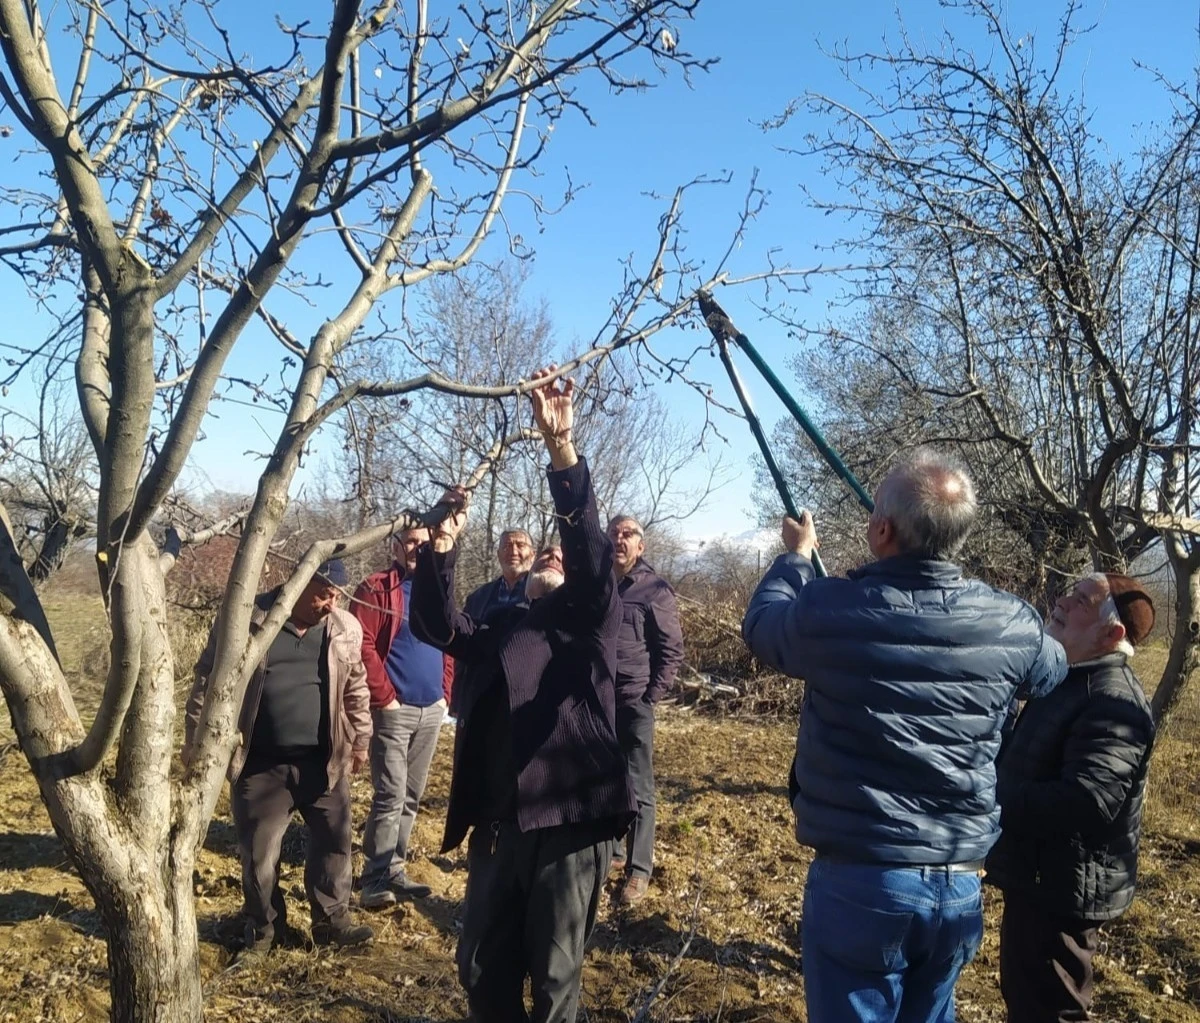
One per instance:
[(910, 671)]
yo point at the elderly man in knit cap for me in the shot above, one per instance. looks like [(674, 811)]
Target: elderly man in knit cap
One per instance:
[(1071, 778)]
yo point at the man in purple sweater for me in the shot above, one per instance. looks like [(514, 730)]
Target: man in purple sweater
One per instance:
[(649, 653), (539, 777)]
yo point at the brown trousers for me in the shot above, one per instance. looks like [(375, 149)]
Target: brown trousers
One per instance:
[(1045, 964), (262, 800)]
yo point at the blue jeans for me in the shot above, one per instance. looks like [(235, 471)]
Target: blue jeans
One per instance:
[(886, 944)]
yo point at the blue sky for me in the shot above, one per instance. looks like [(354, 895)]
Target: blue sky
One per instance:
[(769, 53)]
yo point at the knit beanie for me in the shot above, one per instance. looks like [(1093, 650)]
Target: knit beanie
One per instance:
[(1134, 606)]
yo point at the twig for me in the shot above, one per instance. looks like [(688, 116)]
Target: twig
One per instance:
[(643, 1015)]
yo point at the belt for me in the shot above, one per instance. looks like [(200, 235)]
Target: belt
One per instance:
[(969, 867), (966, 867)]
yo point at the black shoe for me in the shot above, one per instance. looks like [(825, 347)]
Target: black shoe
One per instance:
[(288, 937), (342, 932), (376, 896)]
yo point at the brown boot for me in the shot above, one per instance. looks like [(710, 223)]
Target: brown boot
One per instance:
[(633, 890), (341, 931)]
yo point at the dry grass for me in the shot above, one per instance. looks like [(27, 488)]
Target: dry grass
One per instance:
[(725, 836)]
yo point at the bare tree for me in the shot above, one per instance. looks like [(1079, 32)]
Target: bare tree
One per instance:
[(195, 201), (47, 481), (1028, 300), (477, 327)]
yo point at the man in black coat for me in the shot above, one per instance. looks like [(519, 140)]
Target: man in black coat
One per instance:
[(1071, 779), (539, 776)]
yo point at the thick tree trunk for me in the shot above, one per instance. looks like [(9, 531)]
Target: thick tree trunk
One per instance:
[(117, 826), (153, 952), (1184, 657)]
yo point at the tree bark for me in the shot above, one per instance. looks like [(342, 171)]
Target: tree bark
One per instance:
[(153, 951), (60, 529), (139, 876), (1184, 657)]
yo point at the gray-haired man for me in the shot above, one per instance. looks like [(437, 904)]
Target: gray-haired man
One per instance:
[(515, 555), (909, 673), (649, 652)]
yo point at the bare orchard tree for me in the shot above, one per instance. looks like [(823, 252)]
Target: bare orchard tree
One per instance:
[(1029, 300), (180, 201), (870, 416), (47, 477), (477, 327)]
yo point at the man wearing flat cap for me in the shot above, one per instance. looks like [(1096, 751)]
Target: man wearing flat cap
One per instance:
[(1070, 780), (305, 725)]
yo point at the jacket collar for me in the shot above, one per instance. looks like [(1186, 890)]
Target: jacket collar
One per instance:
[(909, 568), (641, 568), (1116, 659), (519, 586)]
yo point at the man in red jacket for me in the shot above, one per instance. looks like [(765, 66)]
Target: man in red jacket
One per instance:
[(410, 685)]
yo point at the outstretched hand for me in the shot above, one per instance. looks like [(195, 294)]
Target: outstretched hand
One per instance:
[(553, 403), (446, 532), (554, 413)]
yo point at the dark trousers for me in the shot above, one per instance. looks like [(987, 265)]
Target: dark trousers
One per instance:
[(635, 732), (1045, 963), (263, 799), (530, 908)]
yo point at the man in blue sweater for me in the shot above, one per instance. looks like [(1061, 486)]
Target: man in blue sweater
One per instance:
[(909, 671), (410, 684)]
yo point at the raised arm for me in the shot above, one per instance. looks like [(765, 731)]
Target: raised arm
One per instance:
[(433, 615), (587, 550), (1049, 666), (779, 606)]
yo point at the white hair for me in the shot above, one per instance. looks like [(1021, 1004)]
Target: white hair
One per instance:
[(539, 584), (1108, 613), (930, 500)]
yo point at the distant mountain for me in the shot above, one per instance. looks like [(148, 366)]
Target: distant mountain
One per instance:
[(764, 540)]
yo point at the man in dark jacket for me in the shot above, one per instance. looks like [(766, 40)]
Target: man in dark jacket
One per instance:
[(411, 685), (649, 652), (538, 772), (515, 555), (909, 672), (1071, 779)]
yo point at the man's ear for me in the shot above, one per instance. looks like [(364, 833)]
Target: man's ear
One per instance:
[(1115, 633)]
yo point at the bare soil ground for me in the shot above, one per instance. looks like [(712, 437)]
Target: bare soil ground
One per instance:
[(729, 876)]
